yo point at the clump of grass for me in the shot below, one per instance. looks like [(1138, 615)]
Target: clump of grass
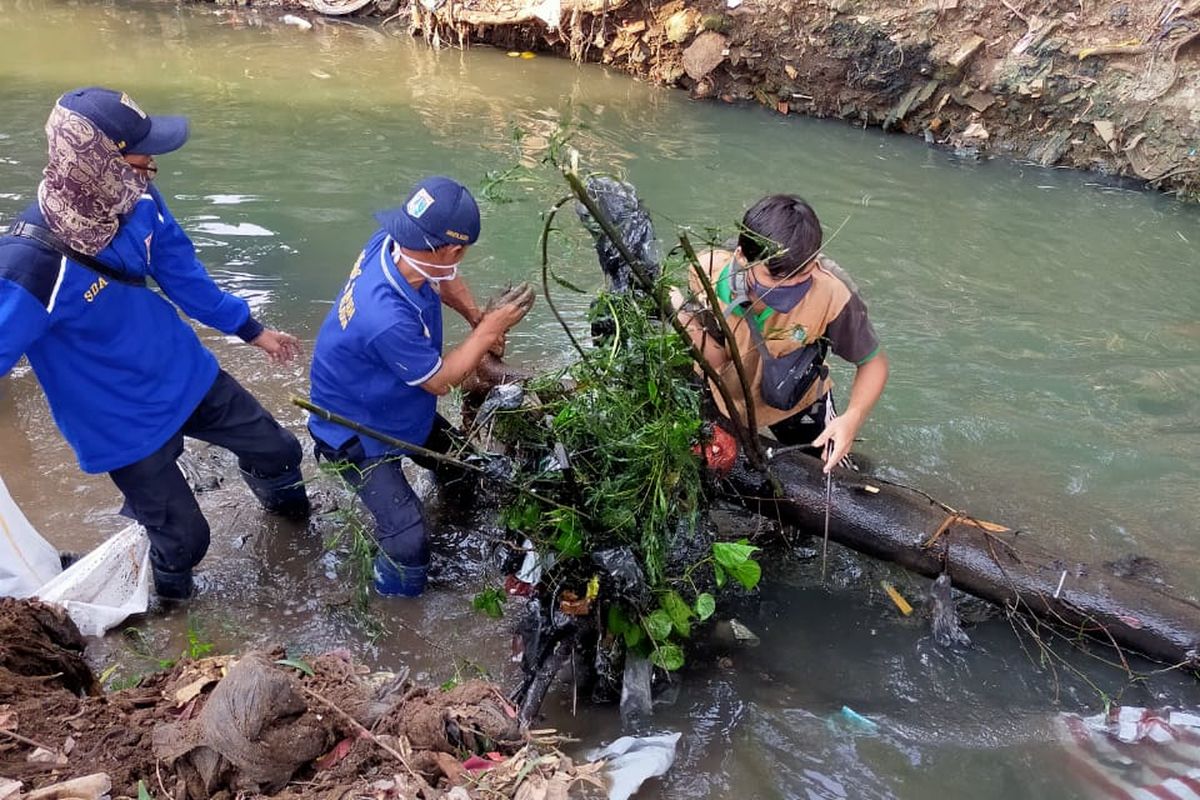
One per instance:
[(353, 534)]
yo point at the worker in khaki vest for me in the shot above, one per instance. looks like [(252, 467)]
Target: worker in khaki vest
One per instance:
[(788, 306)]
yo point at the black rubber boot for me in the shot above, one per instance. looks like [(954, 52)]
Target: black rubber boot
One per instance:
[(284, 494), (175, 586)]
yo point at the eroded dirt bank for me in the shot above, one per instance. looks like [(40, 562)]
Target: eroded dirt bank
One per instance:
[(253, 725), (1106, 86)]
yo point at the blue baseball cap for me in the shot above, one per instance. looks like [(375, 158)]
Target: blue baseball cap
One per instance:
[(120, 119), (438, 212)]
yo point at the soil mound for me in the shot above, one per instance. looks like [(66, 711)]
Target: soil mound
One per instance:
[(255, 725)]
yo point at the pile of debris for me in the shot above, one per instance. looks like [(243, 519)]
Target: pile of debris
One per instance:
[(259, 724)]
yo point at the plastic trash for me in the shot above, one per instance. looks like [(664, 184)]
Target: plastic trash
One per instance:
[(106, 586), (633, 760), (1133, 752), (636, 697), (622, 569), (299, 22), (620, 204), (534, 564), (26, 559), (857, 721), (742, 634), (98, 591), (505, 397)]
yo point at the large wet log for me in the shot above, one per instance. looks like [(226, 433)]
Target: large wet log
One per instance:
[(1013, 569)]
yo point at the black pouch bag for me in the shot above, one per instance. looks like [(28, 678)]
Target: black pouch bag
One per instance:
[(786, 379)]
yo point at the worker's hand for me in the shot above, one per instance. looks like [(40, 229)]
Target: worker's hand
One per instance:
[(498, 348), (839, 435), (507, 310), (280, 347)]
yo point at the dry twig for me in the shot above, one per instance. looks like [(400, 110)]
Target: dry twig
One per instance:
[(362, 731)]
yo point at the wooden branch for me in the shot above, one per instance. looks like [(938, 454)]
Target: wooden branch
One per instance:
[(750, 429), (546, 278), (1004, 567), (362, 731)]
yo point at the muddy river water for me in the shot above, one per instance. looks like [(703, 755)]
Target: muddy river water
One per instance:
[(1042, 326)]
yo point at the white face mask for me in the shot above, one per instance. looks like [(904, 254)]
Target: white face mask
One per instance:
[(415, 264)]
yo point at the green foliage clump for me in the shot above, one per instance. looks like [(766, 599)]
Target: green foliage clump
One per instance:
[(613, 440)]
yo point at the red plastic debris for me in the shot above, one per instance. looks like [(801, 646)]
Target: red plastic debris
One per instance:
[(719, 452), (514, 586), (477, 764), (339, 751)]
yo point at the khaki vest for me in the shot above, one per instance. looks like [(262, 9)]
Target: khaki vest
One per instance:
[(782, 332)]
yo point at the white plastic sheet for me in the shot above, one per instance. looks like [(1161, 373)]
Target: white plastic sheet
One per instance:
[(633, 760), (98, 591), (27, 561), (109, 584)]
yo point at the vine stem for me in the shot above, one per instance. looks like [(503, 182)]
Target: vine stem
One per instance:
[(550, 215)]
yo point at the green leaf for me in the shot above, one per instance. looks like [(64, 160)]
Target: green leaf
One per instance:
[(569, 541), (667, 656), (449, 685), (143, 792), (569, 544), (652, 390), (297, 664), (490, 601), (633, 636), (659, 625), (679, 611), (735, 558), (719, 572), (617, 622), (747, 574), (705, 606)]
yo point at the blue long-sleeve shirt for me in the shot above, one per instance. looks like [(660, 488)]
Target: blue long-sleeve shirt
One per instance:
[(121, 370)]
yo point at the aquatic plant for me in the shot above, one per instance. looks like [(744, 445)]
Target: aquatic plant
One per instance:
[(614, 439)]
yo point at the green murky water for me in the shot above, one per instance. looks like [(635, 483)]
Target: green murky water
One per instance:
[(1043, 330)]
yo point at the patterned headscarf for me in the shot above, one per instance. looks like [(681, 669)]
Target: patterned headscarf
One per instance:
[(88, 186)]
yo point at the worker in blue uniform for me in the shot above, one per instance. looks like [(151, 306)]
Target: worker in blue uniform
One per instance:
[(125, 376)]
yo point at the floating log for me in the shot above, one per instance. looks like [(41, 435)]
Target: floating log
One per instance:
[(1013, 569)]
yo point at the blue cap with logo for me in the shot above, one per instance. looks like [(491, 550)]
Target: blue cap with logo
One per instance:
[(120, 119), (438, 212)]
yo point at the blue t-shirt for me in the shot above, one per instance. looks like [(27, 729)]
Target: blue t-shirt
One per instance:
[(381, 341), (121, 370)]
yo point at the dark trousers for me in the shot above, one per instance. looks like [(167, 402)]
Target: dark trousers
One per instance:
[(158, 496), (805, 426), (400, 525)]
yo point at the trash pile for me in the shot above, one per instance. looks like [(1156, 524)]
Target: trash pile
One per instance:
[(259, 724), (611, 558)]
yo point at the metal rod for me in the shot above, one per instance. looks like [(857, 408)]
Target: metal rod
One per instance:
[(828, 508)]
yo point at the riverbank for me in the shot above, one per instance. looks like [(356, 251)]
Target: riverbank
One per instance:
[(253, 725), (1107, 87)]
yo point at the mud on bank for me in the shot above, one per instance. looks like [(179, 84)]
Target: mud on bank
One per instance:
[(1106, 86)]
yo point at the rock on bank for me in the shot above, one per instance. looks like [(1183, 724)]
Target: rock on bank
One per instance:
[(1106, 86)]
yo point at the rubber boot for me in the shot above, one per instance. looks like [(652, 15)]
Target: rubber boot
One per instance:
[(284, 494), (173, 585), (398, 580)]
